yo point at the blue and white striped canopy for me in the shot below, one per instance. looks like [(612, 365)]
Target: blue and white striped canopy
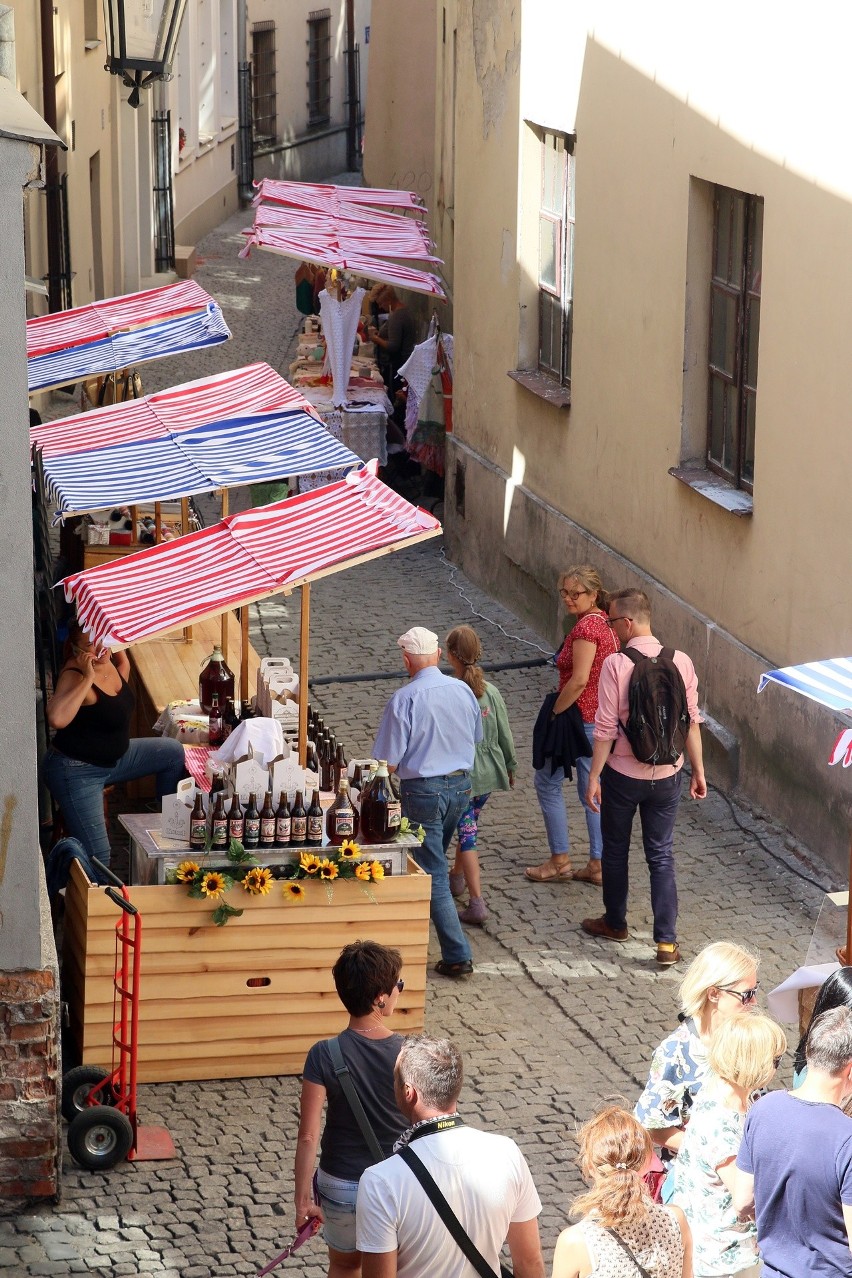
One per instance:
[(250, 449), (827, 682)]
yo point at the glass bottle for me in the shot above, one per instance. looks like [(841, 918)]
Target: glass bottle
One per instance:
[(298, 821), (219, 839), (230, 719), (236, 820), (339, 766), (251, 837), (341, 820), (380, 809), (215, 731), (216, 676), (282, 822), (267, 823), (198, 824), (313, 837), (326, 764)]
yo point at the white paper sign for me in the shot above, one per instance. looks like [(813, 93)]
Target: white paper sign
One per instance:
[(177, 809)]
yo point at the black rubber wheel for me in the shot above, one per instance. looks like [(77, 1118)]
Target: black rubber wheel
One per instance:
[(76, 1086), (100, 1137)]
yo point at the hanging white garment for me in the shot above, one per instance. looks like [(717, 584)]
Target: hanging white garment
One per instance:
[(417, 371), (340, 324)]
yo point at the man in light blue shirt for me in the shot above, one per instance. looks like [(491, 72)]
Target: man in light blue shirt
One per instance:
[(428, 735)]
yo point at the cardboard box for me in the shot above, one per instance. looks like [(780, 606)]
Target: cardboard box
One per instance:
[(177, 810)]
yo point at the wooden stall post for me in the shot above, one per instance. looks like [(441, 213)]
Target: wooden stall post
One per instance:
[(304, 639), (224, 639), (184, 529), (245, 692)]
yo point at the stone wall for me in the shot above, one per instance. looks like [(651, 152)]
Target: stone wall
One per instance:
[(29, 1075)]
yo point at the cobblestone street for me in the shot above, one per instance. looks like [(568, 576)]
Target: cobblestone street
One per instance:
[(552, 1022)]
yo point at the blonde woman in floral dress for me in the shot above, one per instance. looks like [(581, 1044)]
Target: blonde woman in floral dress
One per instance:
[(622, 1232)]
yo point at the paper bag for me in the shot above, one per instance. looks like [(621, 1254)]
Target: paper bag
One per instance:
[(177, 809)]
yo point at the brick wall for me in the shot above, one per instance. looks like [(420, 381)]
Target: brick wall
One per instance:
[(29, 1078)]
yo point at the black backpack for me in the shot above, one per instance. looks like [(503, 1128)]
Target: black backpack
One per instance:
[(657, 711)]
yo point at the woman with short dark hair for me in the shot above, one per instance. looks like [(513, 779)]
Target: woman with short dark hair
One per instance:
[(366, 977)]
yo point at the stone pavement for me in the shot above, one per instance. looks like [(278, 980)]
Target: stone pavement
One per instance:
[(552, 1024)]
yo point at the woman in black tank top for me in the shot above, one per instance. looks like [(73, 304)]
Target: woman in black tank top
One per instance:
[(91, 712)]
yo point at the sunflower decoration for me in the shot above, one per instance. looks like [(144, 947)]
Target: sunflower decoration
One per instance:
[(377, 871), (349, 850), (294, 892), (258, 881), (328, 870), (214, 884), (186, 872), (310, 863), (362, 872)]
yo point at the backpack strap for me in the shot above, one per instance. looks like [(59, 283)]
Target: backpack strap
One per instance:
[(448, 1216), (341, 1070)]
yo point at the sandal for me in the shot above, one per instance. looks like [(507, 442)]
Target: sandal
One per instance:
[(549, 873), (589, 875)]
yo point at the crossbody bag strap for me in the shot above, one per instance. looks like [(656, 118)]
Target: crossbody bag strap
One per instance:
[(341, 1070), (623, 1245), (449, 1217)]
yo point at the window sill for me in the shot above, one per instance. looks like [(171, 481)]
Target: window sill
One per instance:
[(542, 386), (90, 45), (715, 489)]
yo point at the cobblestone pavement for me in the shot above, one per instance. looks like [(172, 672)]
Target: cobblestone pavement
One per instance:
[(552, 1022)]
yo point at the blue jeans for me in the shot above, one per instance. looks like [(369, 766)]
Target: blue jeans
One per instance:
[(78, 788), (657, 802), (551, 800), (437, 803), (337, 1199)]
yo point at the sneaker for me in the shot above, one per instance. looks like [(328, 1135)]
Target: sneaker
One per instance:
[(455, 971), (600, 927), (668, 953), (475, 912), (456, 884)]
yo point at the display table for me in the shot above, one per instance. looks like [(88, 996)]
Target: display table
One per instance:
[(242, 1001)]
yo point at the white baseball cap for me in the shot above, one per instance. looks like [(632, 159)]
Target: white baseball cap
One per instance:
[(419, 642)]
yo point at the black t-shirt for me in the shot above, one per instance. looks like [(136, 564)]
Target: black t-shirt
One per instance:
[(343, 1150), (99, 734)]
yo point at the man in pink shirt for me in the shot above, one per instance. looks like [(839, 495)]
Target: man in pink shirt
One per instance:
[(619, 784)]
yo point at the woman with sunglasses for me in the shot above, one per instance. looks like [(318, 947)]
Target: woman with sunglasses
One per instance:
[(742, 1057), (579, 661), (720, 982), (366, 977)]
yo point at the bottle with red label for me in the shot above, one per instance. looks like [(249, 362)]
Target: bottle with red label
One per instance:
[(314, 832), (215, 729), (251, 836), (381, 810), (298, 821), (236, 820), (198, 825), (267, 823)]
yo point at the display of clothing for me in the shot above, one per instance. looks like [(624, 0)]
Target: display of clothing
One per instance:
[(340, 326)]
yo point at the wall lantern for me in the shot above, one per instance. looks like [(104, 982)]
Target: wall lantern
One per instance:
[(142, 37)]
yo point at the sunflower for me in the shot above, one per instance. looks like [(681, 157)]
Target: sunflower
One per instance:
[(258, 881), (186, 871), (294, 892), (309, 863), (362, 871), (328, 870), (377, 870), (213, 884), (349, 850)]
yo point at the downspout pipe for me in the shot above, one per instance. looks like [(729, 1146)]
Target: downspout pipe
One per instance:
[(245, 145), (51, 159)]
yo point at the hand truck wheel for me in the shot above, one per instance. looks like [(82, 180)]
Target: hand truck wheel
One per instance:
[(99, 1138), (79, 1083)]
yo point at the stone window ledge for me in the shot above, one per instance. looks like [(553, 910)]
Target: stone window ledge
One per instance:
[(707, 484), (546, 388)]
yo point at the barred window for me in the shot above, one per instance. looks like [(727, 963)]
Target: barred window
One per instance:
[(319, 66)]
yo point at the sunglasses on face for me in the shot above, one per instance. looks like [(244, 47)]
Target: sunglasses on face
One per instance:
[(400, 985), (745, 996)]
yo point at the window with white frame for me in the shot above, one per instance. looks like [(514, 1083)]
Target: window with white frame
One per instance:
[(556, 255)]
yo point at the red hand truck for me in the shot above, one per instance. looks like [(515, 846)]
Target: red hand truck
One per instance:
[(100, 1104)]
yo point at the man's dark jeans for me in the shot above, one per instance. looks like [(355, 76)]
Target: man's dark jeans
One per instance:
[(658, 802)]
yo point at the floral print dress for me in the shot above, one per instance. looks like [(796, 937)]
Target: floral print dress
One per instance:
[(678, 1069)]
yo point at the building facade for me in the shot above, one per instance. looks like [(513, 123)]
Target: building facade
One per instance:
[(652, 291)]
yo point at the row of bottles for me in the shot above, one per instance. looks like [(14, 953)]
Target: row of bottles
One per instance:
[(220, 724)]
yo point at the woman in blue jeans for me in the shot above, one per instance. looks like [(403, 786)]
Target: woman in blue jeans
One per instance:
[(90, 712), (579, 662)]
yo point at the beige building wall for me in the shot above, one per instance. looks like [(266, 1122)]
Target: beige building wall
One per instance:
[(662, 109)]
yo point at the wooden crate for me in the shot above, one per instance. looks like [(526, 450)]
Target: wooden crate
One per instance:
[(199, 1016)]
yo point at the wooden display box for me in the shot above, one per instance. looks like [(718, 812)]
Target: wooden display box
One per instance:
[(201, 1014)]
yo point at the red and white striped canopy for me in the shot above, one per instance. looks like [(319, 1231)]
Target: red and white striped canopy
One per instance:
[(326, 226), (245, 558), (106, 336)]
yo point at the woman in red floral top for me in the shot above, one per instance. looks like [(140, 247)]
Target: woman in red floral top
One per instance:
[(579, 662)]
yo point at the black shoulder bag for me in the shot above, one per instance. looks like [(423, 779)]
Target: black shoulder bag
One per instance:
[(449, 1217), (341, 1070), (640, 1269)]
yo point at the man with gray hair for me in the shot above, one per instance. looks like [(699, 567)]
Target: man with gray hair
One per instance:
[(794, 1168), (483, 1177)]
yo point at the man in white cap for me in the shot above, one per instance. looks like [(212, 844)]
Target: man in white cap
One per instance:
[(428, 735)]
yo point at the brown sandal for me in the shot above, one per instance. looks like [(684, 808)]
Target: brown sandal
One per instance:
[(589, 876), (549, 873)]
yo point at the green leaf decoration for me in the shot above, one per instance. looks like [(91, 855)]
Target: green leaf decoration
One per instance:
[(224, 912), (238, 854)]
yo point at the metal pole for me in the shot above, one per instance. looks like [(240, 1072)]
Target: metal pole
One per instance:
[(351, 90)]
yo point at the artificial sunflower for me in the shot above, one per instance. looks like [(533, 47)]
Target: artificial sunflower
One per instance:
[(309, 863), (186, 871), (328, 870), (362, 871), (377, 870), (213, 884), (258, 881), (349, 850), (294, 892)]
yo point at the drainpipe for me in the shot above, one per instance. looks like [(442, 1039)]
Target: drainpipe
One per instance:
[(351, 90), (51, 159), (245, 145)]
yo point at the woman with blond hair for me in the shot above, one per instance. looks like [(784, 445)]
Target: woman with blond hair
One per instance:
[(584, 650), (743, 1056), (719, 983), (494, 766), (622, 1233)]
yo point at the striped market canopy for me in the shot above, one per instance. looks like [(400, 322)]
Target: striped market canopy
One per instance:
[(101, 338), (827, 682), (325, 225), (244, 558), (186, 440)]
